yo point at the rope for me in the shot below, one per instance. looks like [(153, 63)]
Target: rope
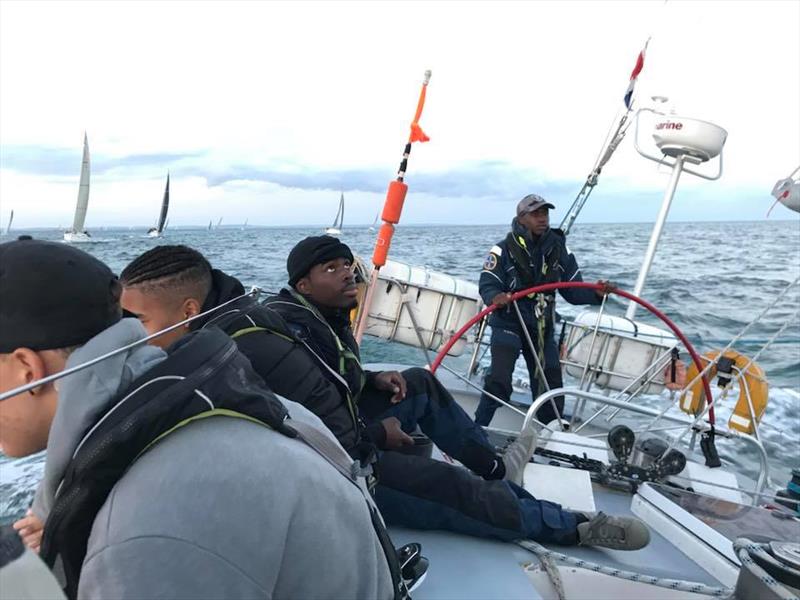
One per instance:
[(692, 587), (744, 548)]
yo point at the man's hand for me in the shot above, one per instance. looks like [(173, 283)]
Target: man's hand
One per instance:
[(607, 288), (502, 299), (396, 438), (391, 381), (30, 529)]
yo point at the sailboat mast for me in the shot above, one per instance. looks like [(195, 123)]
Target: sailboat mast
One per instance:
[(83, 190)]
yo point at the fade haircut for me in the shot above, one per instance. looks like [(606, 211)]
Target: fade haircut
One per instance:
[(170, 270)]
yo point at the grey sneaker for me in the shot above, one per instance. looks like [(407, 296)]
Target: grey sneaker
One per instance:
[(519, 453), (617, 533)]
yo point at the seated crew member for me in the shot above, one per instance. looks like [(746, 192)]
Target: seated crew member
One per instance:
[(159, 467), (301, 344)]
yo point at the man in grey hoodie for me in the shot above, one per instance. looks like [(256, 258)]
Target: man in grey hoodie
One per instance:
[(174, 476)]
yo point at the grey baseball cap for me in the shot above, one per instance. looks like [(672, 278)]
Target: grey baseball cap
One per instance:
[(530, 203)]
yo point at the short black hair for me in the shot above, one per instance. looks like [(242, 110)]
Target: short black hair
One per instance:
[(167, 267)]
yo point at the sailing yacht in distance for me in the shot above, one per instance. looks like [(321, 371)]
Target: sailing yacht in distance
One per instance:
[(10, 222), (375, 222), (158, 230), (77, 233), (336, 228)]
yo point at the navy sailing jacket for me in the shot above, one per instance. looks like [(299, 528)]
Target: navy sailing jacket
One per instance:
[(548, 260)]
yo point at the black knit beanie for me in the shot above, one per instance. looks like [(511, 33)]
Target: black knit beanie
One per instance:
[(313, 251), (53, 295)]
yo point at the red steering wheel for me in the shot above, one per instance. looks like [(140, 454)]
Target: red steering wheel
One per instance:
[(590, 286)]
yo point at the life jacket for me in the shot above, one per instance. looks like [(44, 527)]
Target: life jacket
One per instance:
[(536, 268), (522, 256), (204, 376), (335, 348)]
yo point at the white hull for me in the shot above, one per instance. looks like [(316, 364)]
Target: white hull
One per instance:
[(153, 234), (333, 231), (77, 238)]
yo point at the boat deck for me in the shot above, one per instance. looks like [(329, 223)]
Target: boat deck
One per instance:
[(466, 567)]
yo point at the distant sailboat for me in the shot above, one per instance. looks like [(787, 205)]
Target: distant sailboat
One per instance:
[(78, 233), (209, 225), (10, 221), (219, 222), (158, 230), (336, 228), (245, 225), (375, 222)]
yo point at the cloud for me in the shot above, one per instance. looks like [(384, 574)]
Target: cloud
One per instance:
[(476, 179), (480, 179), (61, 162)]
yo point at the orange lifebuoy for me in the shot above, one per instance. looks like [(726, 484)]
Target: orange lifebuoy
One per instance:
[(752, 383)]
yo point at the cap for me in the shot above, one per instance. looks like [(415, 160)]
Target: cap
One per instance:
[(530, 203), (53, 295), (313, 251)]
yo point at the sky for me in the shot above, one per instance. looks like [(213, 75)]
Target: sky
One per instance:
[(266, 111)]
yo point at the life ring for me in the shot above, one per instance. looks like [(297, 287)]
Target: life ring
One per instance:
[(752, 383)]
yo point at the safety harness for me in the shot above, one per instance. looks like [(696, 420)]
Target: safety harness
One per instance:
[(543, 304)]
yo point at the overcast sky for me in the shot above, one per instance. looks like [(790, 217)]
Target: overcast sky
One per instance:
[(266, 111)]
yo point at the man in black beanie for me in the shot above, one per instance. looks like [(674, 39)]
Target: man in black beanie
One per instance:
[(392, 403)]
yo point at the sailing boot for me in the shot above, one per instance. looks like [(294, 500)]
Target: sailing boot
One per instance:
[(519, 453), (617, 533)]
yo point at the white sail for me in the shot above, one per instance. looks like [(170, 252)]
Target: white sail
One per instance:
[(336, 228), (83, 191), (162, 217)]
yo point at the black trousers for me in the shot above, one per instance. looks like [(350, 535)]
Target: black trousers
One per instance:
[(506, 345)]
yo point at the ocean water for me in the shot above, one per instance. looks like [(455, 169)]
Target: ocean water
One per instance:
[(712, 279)]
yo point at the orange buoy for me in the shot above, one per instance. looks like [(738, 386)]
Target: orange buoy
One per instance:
[(382, 244), (752, 384), (395, 196), (680, 376)]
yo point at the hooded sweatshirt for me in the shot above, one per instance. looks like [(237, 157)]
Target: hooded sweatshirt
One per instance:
[(220, 508)]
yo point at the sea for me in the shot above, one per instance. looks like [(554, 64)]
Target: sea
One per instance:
[(711, 279)]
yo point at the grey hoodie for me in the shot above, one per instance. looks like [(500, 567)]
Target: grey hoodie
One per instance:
[(221, 508)]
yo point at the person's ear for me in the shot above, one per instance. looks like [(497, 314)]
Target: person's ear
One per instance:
[(303, 286), (191, 307), (27, 366)]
